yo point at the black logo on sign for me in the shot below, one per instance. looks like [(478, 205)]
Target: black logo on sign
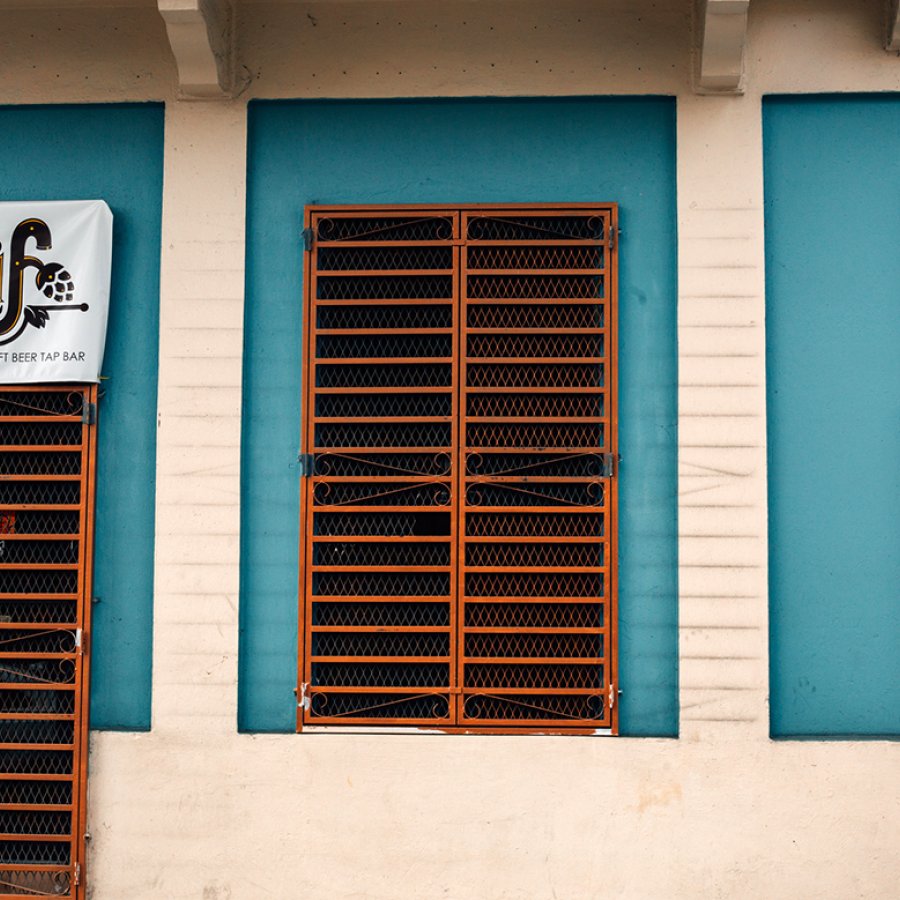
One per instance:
[(51, 279)]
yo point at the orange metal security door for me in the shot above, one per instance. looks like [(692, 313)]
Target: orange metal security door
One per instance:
[(47, 453), (380, 508), (458, 557)]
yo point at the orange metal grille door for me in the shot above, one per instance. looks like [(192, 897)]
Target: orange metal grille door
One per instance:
[(458, 558), (47, 451), (380, 507)]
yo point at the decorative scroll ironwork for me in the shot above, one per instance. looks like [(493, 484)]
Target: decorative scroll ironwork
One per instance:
[(458, 567), (494, 226), (45, 526), (381, 229)]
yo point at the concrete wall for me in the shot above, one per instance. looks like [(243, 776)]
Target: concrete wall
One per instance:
[(196, 810), (51, 153), (448, 151), (833, 389)]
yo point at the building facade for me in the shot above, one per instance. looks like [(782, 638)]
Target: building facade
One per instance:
[(754, 166)]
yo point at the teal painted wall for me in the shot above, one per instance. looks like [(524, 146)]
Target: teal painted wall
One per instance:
[(832, 204), (114, 153), (528, 150)]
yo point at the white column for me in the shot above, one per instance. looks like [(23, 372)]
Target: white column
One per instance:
[(722, 425), (198, 458)]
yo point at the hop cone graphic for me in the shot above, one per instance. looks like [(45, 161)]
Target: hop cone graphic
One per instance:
[(55, 282)]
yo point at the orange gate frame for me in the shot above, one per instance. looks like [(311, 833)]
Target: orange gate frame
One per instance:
[(527, 649), (49, 442)]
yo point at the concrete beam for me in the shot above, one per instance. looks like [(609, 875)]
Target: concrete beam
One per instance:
[(722, 32), (201, 36)]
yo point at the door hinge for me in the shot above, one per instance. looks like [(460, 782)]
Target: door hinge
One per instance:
[(79, 642), (613, 236), (77, 877), (89, 414), (612, 696), (307, 463), (610, 465), (303, 700), (308, 237)]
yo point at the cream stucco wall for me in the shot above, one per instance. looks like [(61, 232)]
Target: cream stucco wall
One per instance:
[(195, 810)]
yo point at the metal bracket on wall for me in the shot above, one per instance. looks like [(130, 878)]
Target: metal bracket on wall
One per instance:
[(720, 38), (892, 38), (201, 34)]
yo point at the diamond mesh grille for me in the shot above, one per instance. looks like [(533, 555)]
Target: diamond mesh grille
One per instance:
[(530, 494), (375, 258), (546, 465), (534, 584), (385, 375), (524, 346), (382, 229), (585, 256), (386, 287), (550, 676), (346, 435), (25, 403), (523, 375), (531, 525), (406, 316), (379, 615), (520, 229), (559, 435), (32, 463), (355, 406), (401, 644), (40, 433), (44, 519), (535, 406), (534, 315), (387, 555), (533, 646), (391, 494), (535, 287), (25, 883), (52, 493), (393, 674), (544, 708), (458, 569), (373, 346), (534, 615)]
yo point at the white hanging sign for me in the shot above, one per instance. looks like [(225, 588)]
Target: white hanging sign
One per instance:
[(55, 260)]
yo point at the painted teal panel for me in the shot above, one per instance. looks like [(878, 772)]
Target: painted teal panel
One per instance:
[(447, 151), (832, 205), (114, 153)]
